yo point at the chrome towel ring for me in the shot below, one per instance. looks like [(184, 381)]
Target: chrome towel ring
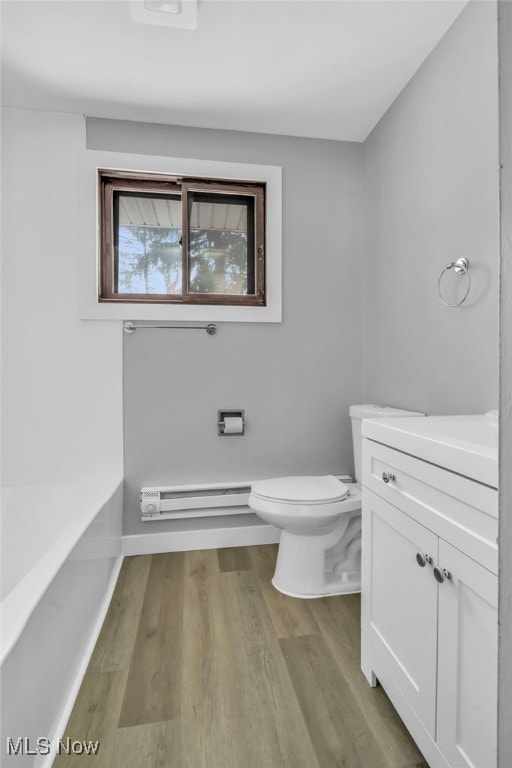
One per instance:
[(461, 268)]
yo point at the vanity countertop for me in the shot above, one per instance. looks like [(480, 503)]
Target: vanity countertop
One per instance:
[(467, 445)]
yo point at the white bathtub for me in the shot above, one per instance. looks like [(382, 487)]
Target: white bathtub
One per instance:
[(60, 554)]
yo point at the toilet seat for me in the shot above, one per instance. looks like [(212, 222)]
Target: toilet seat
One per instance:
[(301, 490)]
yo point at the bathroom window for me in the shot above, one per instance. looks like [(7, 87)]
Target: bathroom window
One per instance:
[(168, 239)]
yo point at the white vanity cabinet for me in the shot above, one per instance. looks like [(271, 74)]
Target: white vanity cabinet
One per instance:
[(429, 602)]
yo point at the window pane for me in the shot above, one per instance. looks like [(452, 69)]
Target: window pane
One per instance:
[(221, 243), (147, 243)]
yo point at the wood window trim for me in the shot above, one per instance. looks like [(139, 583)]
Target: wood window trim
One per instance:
[(112, 181)]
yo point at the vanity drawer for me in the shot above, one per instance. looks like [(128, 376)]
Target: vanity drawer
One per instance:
[(461, 511)]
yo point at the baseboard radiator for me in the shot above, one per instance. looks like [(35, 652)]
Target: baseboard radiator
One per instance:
[(180, 501), (207, 500)]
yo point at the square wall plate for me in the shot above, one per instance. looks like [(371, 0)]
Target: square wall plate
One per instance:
[(181, 14)]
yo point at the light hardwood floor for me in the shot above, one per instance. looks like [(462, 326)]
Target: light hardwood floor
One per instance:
[(201, 663)]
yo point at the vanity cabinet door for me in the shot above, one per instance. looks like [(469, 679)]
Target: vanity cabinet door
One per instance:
[(399, 601), (467, 666)]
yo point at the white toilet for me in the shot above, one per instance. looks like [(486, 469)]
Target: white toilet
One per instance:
[(320, 518)]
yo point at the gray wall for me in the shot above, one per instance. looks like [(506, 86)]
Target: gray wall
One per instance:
[(296, 379), (431, 180)]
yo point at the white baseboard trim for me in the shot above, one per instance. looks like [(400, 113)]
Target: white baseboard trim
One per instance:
[(183, 541), (47, 760)]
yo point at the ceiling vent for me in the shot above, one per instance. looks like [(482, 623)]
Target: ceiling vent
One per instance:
[(165, 13)]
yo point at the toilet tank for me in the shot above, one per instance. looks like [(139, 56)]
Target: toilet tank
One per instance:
[(359, 412)]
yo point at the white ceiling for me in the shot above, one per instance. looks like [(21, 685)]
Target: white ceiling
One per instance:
[(299, 67)]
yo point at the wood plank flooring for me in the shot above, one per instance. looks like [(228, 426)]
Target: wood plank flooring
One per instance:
[(201, 663)]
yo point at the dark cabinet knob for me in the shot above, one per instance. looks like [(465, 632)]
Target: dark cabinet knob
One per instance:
[(440, 574)]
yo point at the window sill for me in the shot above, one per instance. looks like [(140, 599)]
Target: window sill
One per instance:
[(210, 313)]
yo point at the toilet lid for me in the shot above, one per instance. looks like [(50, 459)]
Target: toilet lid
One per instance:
[(302, 490)]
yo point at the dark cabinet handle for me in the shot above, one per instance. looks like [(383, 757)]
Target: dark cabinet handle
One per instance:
[(422, 559)]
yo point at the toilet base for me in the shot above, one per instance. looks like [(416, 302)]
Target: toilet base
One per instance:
[(321, 565), (350, 589)]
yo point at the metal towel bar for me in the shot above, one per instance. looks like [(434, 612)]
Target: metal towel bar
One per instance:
[(211, 328)]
